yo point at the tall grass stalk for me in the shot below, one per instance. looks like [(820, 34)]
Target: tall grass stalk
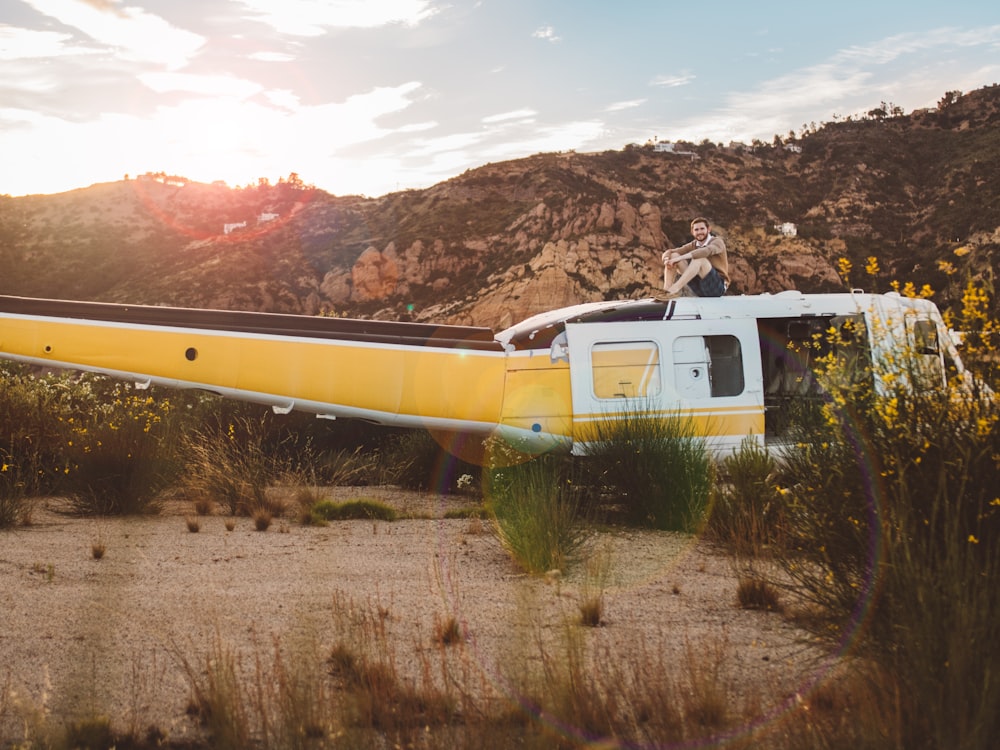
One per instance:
[(537, 513), (233, 465), (746, 513)]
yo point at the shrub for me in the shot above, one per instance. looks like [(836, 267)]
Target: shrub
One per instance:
[(536, 513), (894, 525), (420, 463), (31, 439), (232, 465), (122, 455), (657, 465), (327, 510), (757, 593), (746, 514)]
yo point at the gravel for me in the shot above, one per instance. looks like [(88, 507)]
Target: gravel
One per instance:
[(111, 636)]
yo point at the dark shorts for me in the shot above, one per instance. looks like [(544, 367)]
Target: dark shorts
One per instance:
[(711, 285)]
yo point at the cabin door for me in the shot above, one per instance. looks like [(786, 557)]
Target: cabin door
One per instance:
[(707, 370)]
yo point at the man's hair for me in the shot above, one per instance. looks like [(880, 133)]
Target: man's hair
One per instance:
[(701, 220)]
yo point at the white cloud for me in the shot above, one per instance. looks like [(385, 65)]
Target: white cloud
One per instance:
[(283, 98), (568, 136), (547, 33), (670, 82), (133, 32), (311, 18), (630, 104), (275, 57), (200, 84), (517, 114), (21, 44), (850, 81), (205, 138)]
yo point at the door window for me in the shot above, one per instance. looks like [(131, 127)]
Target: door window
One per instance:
[(708, 366), (626, 369)]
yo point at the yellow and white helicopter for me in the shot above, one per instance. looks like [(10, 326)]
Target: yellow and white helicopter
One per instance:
[(731, 364)]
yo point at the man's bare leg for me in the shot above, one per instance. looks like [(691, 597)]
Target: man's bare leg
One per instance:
[(670, 272), (697, 267)]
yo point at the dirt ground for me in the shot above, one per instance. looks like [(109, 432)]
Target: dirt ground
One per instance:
[(111, 635)]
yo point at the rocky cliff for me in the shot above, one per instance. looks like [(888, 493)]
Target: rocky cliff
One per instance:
[(511, 239)]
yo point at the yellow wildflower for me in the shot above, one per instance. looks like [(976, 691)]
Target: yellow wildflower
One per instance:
[(844, 269)]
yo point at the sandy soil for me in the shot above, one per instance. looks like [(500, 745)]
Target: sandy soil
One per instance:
[(111, 635)]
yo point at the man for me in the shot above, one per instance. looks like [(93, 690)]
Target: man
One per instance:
[(702, 264)]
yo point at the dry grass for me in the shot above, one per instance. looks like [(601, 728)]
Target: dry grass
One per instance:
[(448, 631), (261, 519), (756, 593)]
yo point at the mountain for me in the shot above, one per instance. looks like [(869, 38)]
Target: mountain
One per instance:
[(510, 239)]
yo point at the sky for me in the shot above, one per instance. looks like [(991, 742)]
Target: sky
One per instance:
[(367, 97)]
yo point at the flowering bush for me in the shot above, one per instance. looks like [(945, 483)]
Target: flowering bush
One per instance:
[(122, 454), (893, 512)]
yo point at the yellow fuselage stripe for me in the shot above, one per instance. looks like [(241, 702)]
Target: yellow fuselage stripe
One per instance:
[(450, 384)]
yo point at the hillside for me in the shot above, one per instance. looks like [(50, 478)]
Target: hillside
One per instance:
[(510, 239)]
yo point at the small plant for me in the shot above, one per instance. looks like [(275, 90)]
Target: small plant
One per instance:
[(448, 631), (657, 465), (120, 454), (261, 519), (597, 573), (705, 690), (97, 549), (361, 509), (219, 698), (746, 516), (193, 524), (92, 732), (755, 593), (472, 513), (592, 611), (203, 505), (536, 511), (232, 464), (230, 523)]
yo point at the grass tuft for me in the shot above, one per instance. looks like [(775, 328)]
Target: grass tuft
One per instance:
[(756, 593), (537, 515), (261, 519), (448, 631), (361, 509), (658, 466)]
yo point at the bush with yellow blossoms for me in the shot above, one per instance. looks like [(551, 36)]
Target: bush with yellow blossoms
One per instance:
[(893, 512)]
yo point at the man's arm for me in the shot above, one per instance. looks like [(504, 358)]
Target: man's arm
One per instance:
[(715, 246), (677, 251)]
